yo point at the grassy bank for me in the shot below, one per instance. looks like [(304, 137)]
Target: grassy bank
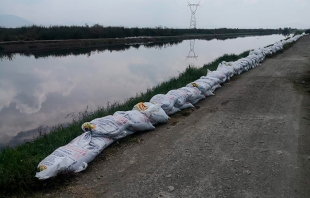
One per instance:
[(18, 165)]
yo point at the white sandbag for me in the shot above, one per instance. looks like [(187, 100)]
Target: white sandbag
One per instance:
[(259, 53), (187, 105), (211, 80), (194, 94), (99, 143), (166, 103), (178, 96), (227, 70), (238, 68), (153, 112), (205, 88), (213, 86), (235, 70), (253, 61), (108, 126), (73, 157), (227, 65), (218, 75), (207, 81), (180, 99), (249, 62), (139, 120), (244, 63)]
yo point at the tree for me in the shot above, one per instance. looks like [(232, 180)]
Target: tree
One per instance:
[(286, 32)]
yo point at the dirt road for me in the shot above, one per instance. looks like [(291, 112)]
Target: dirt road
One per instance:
[(252, 139)]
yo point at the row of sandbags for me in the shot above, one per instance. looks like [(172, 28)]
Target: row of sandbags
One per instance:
[(101, 132)]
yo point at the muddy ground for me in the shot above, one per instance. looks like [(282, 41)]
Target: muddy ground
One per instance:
[(252, 139)]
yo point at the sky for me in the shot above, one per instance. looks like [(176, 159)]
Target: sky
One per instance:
[(165, 13)]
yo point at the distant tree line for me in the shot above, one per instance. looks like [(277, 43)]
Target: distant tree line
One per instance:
[(97, 31), (87, 51)]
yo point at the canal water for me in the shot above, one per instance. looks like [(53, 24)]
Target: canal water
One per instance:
[(50, 88)]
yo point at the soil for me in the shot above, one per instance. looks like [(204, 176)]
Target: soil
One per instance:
[(249, 140)]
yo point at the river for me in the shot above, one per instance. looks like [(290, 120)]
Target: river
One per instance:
[(49, 88)]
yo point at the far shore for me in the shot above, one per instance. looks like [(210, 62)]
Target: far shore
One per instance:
[(50, 45)]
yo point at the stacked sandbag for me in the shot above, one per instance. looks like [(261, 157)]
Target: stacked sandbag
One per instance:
[(153, 112), (259, 53), (226, 70), (73, 157), (139, 121), (202, 86), (109, 126), (193, 94), (216, 74), (165, 103), (98, 134), (266, 51), (179, 98), (101, 132), (238, 68)]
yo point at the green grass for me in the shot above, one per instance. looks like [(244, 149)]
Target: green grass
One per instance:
[(18, 165)]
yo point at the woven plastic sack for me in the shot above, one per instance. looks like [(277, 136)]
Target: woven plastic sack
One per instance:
[(216, 74), (205, 88), (139, 120), (108, 126), (153, 112), (213, 86), (73, 157), (194, 94), (167, 104), (227, 70), (178, 96), (211, 80)]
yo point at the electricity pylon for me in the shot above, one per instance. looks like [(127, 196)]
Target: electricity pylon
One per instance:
[(193, 8), (191, 53)]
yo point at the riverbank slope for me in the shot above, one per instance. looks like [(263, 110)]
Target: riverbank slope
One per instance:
[(249, 140)]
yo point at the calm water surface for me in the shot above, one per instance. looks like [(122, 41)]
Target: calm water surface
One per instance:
[(44, 91)]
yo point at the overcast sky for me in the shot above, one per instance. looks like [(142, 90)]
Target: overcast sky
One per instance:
[(166, 13)]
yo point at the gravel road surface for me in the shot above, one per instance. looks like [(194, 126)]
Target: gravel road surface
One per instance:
[(252, 139)]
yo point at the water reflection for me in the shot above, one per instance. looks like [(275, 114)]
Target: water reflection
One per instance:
[(86, 51), (191, 53), (92, 50), (41, 89)]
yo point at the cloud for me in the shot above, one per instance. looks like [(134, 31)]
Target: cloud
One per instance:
[(29, 86), (251, 1)]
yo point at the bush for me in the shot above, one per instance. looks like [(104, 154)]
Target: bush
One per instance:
[(307, 31)]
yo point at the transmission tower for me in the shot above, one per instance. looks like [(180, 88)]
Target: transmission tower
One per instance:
[(193, 8), (191, 53)]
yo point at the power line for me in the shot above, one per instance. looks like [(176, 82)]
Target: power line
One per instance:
[(179, 5), (203, 3)]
